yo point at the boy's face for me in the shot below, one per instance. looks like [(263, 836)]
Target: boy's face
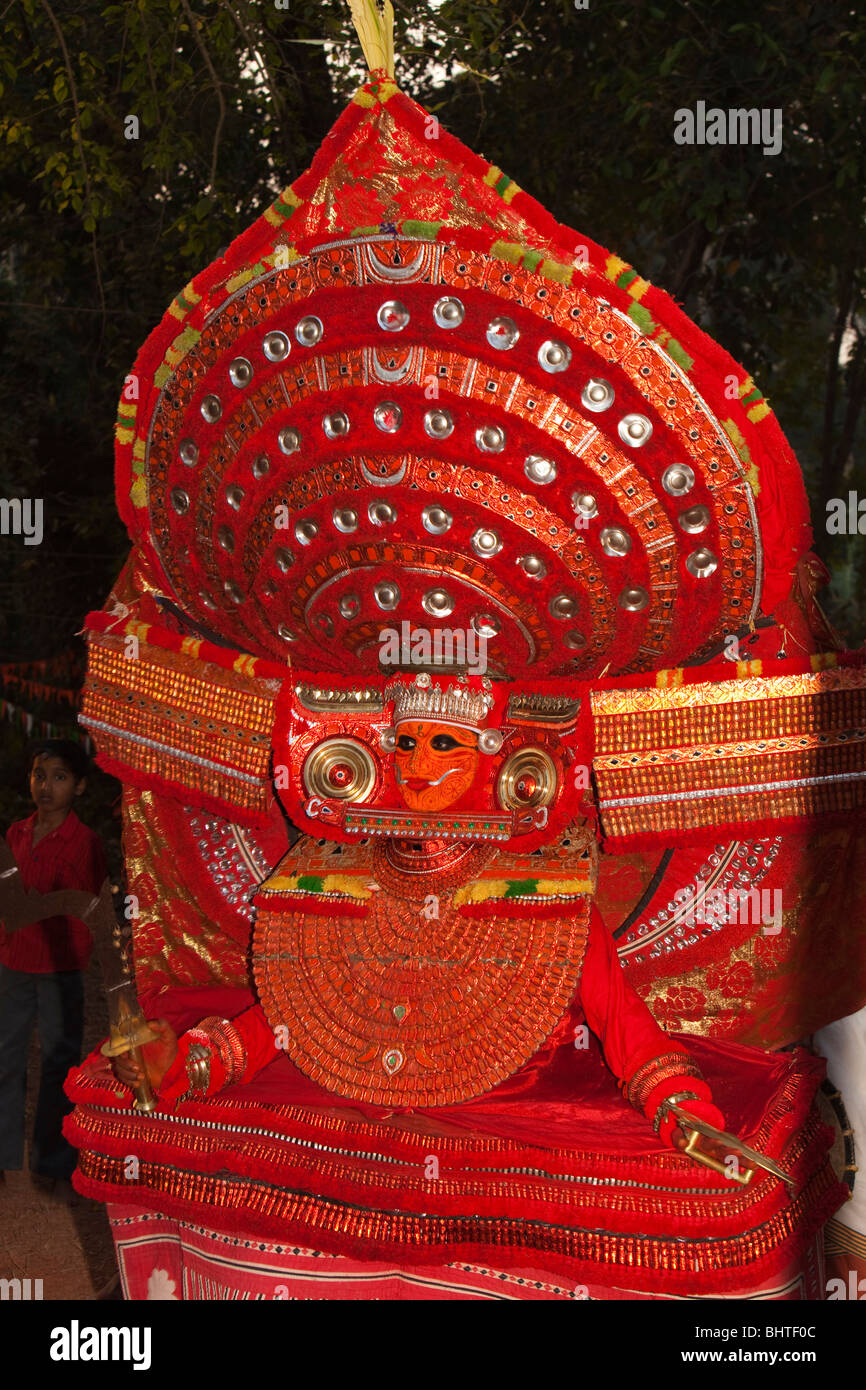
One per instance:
[(52, 784)]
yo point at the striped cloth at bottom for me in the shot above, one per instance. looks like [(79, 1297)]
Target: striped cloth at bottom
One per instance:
[(161, 1258)]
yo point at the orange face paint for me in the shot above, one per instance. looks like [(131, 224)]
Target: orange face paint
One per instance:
[(435, 763)]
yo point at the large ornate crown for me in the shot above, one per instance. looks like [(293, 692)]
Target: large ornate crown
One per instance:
[(449, 704), (407, 395)]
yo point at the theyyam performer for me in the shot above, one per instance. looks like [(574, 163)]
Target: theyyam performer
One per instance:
[(442, 791)]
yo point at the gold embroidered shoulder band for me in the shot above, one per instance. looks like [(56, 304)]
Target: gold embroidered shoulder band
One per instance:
[(690, 755)]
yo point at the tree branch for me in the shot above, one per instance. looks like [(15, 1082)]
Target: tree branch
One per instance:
[(217, 86), (828, 471), (856, 381), (273, 91), (76, 130)]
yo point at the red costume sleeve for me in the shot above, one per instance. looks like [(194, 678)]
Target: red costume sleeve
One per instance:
[(256, 1047), (639, 1053)]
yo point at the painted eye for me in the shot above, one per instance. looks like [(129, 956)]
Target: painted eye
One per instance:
[(406, 743), (443, 743)]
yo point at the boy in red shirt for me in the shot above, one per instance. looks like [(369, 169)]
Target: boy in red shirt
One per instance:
[(42, 964)]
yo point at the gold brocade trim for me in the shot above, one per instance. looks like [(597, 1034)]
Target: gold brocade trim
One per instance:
[(811, 766), (173, 716), (640, 700), (812, 712), (184, 685), (763, 798), (673, 1255), (701, 753), (755, 994), (680, 757), (178, 938), (740, 979)]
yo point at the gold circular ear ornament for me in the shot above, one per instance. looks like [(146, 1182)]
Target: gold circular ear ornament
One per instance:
[(527, 778), (341, 769)]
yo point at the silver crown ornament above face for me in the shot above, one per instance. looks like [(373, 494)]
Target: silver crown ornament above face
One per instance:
[(455, 704)]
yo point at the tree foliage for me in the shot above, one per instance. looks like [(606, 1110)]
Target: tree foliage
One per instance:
[(231, 99)]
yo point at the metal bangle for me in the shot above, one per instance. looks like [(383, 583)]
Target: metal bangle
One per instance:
[(681, 1067), (648, 1068), (667, 1102), (226, 1038), (198, 1060)]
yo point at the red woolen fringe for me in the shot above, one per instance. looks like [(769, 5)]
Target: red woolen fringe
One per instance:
[(260, 667), (505, 1256), (311, 904)]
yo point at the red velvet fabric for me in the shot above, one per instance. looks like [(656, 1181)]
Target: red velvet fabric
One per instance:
[(551, 1169), (565, 1097)]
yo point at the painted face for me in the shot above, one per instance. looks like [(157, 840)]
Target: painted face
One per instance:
[(434, 763)]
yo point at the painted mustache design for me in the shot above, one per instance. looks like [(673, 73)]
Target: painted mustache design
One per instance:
[(407, 781)]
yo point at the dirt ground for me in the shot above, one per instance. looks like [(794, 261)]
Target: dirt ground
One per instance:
[(68, 1247)]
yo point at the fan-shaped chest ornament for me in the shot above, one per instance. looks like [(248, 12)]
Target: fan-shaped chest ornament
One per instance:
[(406, 399)]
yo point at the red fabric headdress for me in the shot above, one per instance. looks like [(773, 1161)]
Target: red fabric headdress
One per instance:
[(406, 395)]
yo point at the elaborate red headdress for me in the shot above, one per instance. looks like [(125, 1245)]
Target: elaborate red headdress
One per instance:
[(409, 423), (407, 395)]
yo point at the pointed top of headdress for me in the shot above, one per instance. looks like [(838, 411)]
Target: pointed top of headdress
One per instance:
[(374, 25)]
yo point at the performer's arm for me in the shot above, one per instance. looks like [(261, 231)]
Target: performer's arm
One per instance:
[(218, 1052), (650, 1067)]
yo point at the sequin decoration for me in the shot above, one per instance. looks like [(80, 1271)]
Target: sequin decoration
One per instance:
[(480, 994), (538, 412), (698, 754), (177, 722)]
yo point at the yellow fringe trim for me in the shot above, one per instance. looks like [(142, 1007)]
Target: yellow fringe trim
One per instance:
[(347, 884), (486, 889)]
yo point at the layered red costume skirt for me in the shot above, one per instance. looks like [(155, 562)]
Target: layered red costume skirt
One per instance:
[(550, 1177)]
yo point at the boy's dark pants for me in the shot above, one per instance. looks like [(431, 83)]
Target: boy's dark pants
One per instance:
[(55, 1003)]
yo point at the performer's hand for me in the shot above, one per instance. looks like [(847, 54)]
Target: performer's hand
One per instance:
[(158, 1055), (669, 1130), (718, 1149), (702, 1110)]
